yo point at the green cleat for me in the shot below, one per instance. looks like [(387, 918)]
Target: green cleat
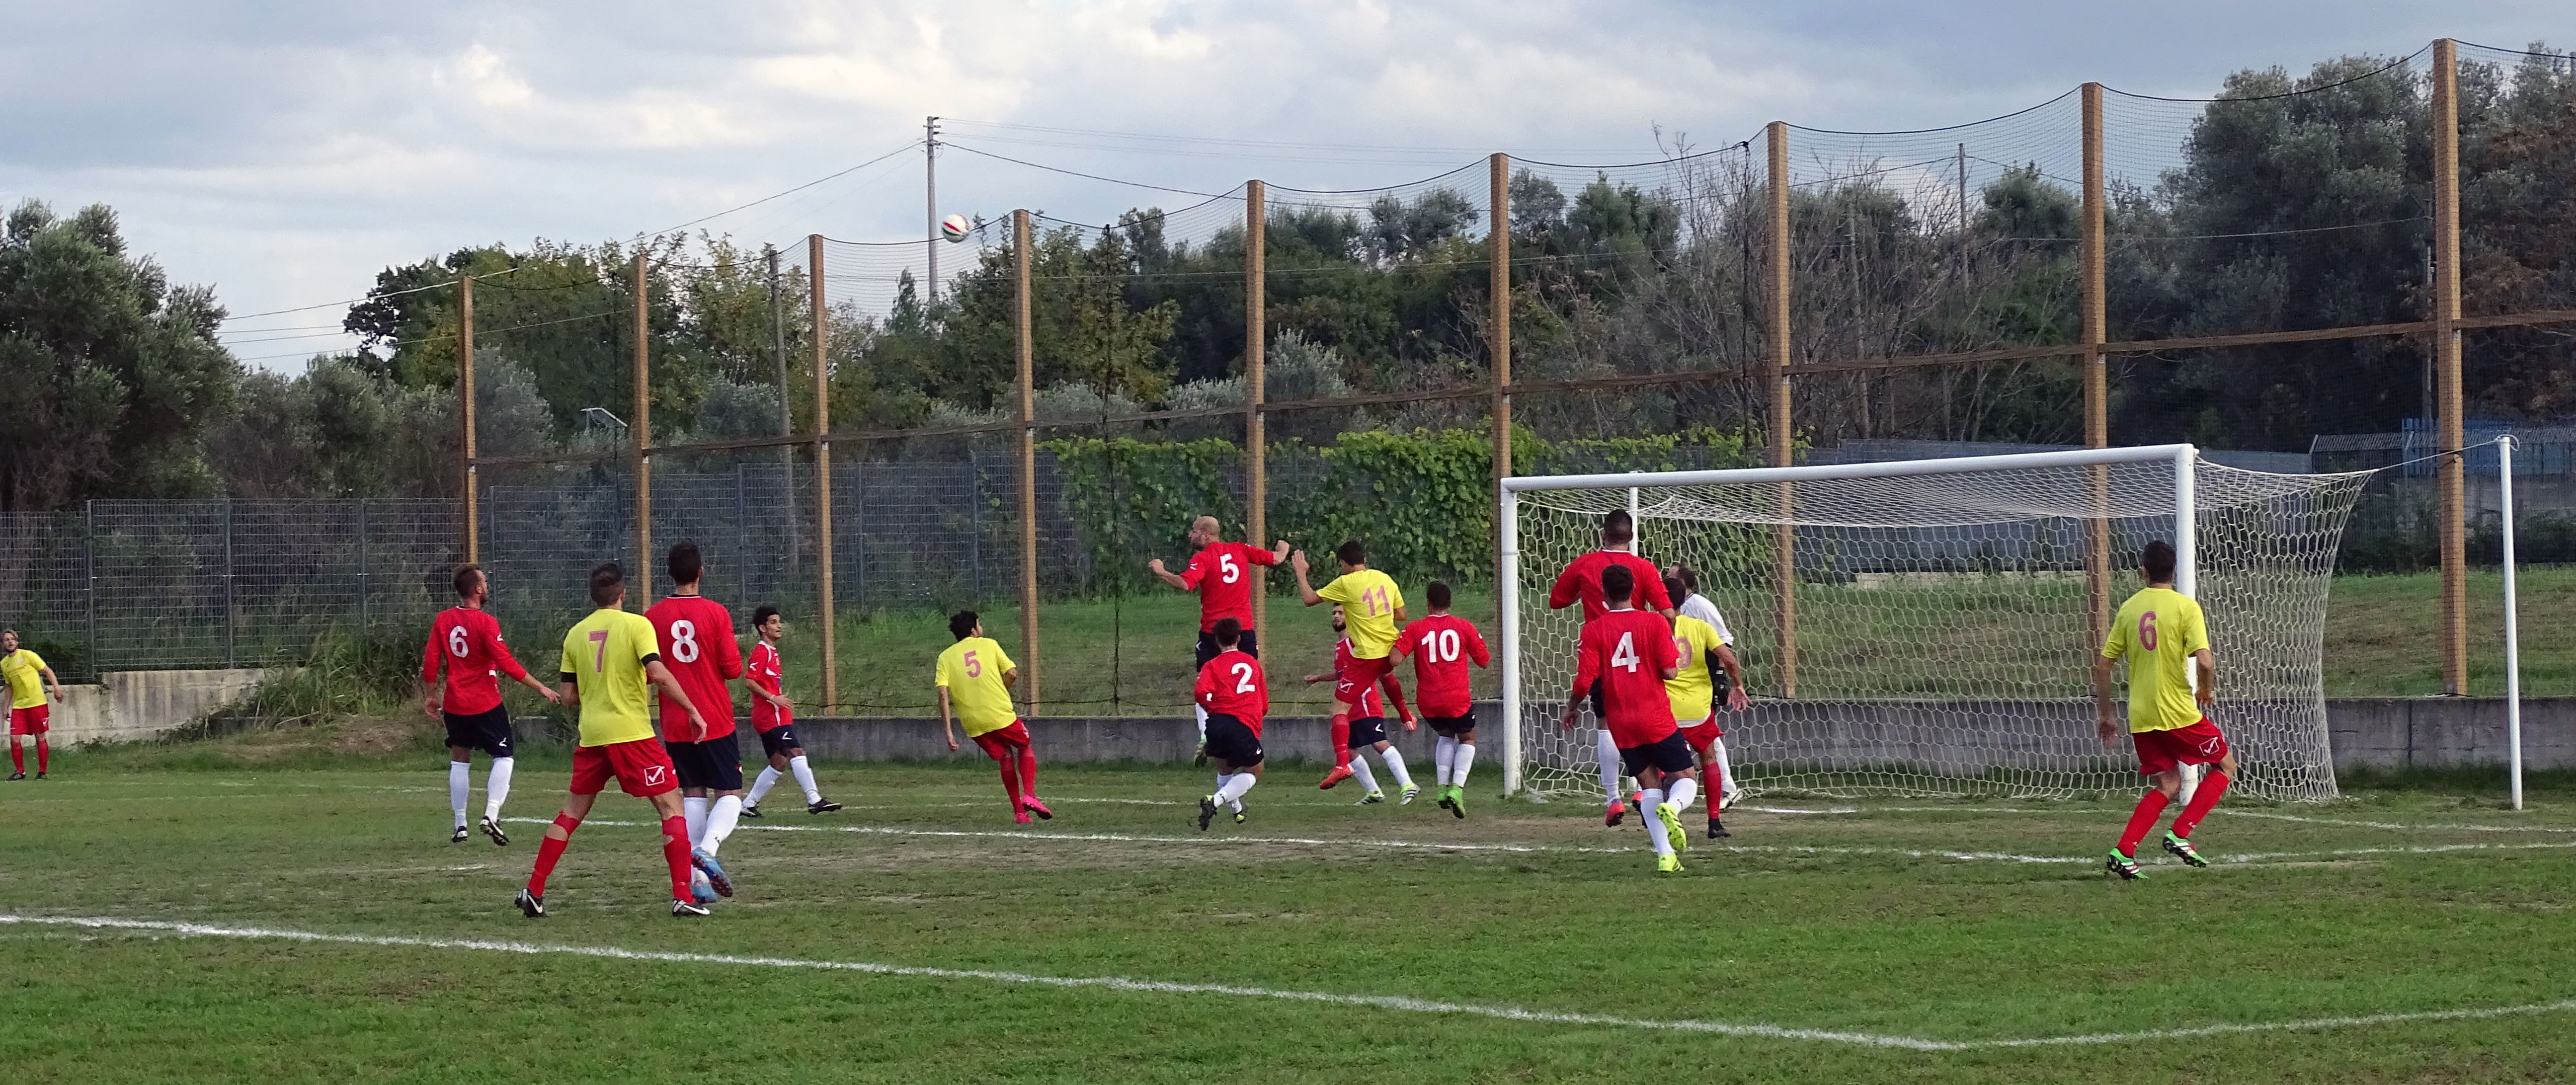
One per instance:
[(2125, 867), (1668, 864), (2181, 849), (1671, 816), (1371, 799), (1457, 801)]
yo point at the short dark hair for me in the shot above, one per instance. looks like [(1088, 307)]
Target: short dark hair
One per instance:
[(961, 625), (1617, 583), (1674, 589), (1227, 631), (760, 616), (467, 575), (1690, 577), (1352, 552), (686, 564), (2158, 562), (1438, 594), (607, 583), (1618, 527)]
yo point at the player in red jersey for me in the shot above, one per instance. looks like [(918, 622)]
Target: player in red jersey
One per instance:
[(1237, 697), (1581, 581), (1441, 645), (696, 635), (1627, 655), (465, 641), (1366, 727), (774, 716), (1222, 574)]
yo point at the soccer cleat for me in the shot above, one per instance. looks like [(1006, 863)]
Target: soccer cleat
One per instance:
[(700, 890), (17, 776), (1410, 790), (1440, 798), (531, 905), (714, 871), (1717, 829), (684, 909), (1671, 816), (1371, 799), (751, 809), (492, 829), (1038, 808), (1207, 811), (1615, 813), (1021, 817), (2181, 849), (1668, 864), (1339, 774), (463, 834), (1199, 759), (821, 806), (1241, 816), (2125, 867), (1457, 801), (40, 776), (1728, 801)]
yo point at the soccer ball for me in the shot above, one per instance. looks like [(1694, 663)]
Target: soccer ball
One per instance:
[(953, 227)]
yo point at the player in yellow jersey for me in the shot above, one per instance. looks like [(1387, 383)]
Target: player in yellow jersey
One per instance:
[(2165, 638), (608, 660), (1693, 689), (975, 679), (1373, 611), (21, 669)]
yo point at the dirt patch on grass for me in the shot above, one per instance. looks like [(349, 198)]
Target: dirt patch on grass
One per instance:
[(380, 734)]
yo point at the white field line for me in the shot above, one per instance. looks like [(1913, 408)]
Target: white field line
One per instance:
[(1382, 1002), (2395, 825), (2222, 812)]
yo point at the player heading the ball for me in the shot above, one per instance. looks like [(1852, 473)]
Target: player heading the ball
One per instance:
[(1627, 655), (2164, 636), (1222, 574), (975, 678), (609, 658), (465, 642)]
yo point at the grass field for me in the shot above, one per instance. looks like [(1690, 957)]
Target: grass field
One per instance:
[(1917, 941)]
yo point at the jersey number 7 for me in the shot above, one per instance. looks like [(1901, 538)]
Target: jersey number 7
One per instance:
[(599, 657)]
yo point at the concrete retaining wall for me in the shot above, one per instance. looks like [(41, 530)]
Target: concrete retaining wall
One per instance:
[(2363, 733), (128, 705)]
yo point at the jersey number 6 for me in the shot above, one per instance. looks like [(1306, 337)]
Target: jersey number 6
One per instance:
[(456, 641), (2147, 631)]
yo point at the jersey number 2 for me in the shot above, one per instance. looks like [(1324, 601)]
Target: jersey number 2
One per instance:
[(1243, 678)]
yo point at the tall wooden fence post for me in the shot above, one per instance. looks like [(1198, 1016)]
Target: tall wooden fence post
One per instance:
[(642, 429), (1498, 337), (2446, 362), (1027, 350), (1784, 537), (2097, 380), (465, 404), (823, 474), (1256, 347)]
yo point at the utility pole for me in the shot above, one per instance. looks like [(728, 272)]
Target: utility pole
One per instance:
[(786, 415), (930, 190)]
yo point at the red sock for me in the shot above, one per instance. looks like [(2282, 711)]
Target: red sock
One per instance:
[(1028, 773), (1342, 739), (45, 753), (1010, 773), (1395, 696), (2150, 807), (2212, 788), (675, 851), (550, 851), (17, 757)]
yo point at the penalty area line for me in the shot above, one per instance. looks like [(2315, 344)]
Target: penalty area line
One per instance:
[(1382, 1002)]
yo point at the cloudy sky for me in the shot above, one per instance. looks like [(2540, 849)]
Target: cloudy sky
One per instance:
[(285, 151)]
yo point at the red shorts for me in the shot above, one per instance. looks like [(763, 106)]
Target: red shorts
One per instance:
[(30, 720), (1001, 743), (642, 768), (1363, 675), (1703, 733), (2198, 744)]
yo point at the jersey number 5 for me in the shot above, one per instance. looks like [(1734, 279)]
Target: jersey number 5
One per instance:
[(1624, 656), (456, 641), (2147, 631), (1227, 570), (974, 666), (1243, 678)]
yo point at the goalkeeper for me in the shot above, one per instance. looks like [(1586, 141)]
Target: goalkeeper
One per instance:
[(2163, 635)]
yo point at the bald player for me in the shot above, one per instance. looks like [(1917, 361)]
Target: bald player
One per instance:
[(1222, 574)]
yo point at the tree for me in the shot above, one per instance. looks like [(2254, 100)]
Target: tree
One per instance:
[(112, 373)]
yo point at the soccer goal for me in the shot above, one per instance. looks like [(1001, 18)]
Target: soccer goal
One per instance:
[(1928, 627)]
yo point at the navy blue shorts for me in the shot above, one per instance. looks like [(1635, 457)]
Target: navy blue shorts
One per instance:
[(780, 742), (1669, 754), (485, 731), (1367, 732), (715, 764), (1452, 726), (1248, 643), (1230, 740)]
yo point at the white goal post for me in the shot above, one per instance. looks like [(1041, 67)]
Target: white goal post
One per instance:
[(1926, 627)]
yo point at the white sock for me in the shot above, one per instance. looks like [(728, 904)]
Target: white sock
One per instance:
[(769, 778), (1654, 825), (1608, 748), (695, 811), (721, 816), (1683, 791), (1201, 710), (1444, 751), (1725, 775), (496, 786), (456, 785), (1395, 765), (1359, 768), (1231, 792), (805, 778), (1458, 771)]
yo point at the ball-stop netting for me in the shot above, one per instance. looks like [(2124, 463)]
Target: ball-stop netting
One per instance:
[(1931, 630)]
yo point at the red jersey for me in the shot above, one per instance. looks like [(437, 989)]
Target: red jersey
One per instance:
[(696, 634), (1582, 580), (1369, 702), (468, 641), (1222, 575), (1627, 651), (764, 672), (1232, 685), (1441, 646)]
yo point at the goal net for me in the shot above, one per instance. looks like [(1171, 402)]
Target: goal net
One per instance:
[(1928, 627)]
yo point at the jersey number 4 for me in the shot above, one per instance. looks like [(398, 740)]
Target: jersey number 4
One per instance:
[(1624, 656)]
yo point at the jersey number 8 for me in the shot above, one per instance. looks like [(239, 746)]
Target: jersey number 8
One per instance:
[(684, 641)]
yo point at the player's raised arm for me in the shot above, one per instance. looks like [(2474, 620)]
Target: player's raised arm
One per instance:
[(509, 665), (1305, 589), (1724, 659), (1169, 577)]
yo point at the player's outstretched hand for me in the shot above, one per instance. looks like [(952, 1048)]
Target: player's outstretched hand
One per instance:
[(1314, 678), (1297, 561), (952, 744), (1736, 701), (1567, 724), (1155, 566), (552, 697)]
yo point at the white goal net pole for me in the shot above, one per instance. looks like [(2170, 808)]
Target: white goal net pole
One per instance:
[(1509, 522), (2186, 542)]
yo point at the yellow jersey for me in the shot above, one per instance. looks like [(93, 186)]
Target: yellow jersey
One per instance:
[(971, 671), (25, 671), (604, 657), (2158, 630), (1369, 601), (1693, 690)]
